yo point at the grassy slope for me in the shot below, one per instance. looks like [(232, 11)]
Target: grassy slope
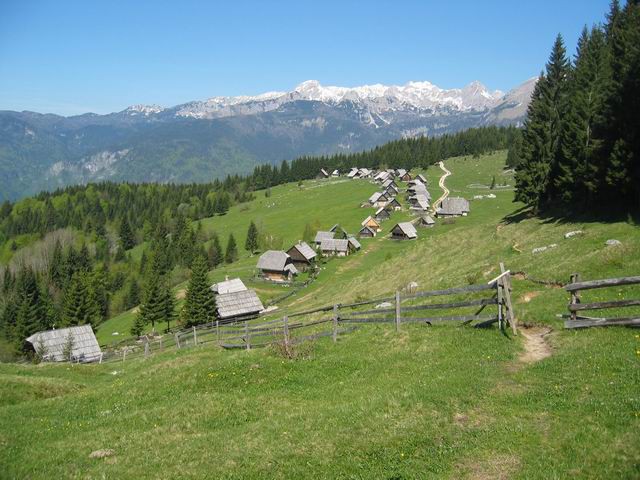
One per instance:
[(429, 402)]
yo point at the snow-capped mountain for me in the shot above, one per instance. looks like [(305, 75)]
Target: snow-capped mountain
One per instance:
[(377, 98), (203, 140)]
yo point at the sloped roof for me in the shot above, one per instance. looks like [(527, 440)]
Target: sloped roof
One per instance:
[(407, 229), (421, 178), (354, 243), (401, 172), (322, 235), (324, 172), (367, 229), (454, 206), (335, 227), (229, 286), (291, 268), (274, 260), (334, 245), (85, 346), (305, 250), (394, 201), (382, 176), (335, 172), (382, 209), (369, 218), (427, 220), (352, 173), (237, 304), (377, 197), (420, 201)]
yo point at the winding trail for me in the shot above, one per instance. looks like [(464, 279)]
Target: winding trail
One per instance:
[(445, 190)]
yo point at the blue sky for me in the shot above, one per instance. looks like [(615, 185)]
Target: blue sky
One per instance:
[(71, 57)]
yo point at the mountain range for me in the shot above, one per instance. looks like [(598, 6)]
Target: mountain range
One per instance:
[(204, 140)]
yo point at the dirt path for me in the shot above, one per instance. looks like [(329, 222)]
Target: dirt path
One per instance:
[(445, 190), (536, 347)]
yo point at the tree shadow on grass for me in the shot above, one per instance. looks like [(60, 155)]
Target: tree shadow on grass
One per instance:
[(563, 216)]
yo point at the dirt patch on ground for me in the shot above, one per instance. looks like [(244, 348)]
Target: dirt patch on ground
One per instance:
[(527, 297), (180, 294), (498, 467), (536, 347)]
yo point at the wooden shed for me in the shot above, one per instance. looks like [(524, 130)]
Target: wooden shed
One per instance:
[(394, 203), (52, 345), (383, 213), (244, 303), (322, 174), (425, 221), (378, 199), (366, 232), (453, 207), (335, 247), (404, 231), (321, 236), (372, 223), (302, 256), (276, 266)]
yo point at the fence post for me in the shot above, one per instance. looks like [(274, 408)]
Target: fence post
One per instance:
[(161, 346), (177, 340), (335, 323), (506, 291), (218, 332), (124, 354), (500, 288), (101, 354), (146, 348), (397, 310), (286, 331), (246, 335), (195, 337), (575, 296)]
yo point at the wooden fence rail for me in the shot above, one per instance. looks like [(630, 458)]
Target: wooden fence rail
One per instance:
[(248, 333), (575, 287)]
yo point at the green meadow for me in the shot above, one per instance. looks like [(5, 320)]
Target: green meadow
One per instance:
[(439, 401)]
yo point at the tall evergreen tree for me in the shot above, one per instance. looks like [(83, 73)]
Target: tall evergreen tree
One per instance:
[(152, 306), (231, 254), (214, 253), (199, 303), (127, 240), (251, 244)]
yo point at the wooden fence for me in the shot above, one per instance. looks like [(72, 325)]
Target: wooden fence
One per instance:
[(577, 320), (490, 302)]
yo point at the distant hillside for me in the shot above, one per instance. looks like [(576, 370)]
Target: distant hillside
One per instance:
[(202, 141)]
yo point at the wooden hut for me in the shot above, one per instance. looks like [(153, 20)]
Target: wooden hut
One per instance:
[(453, 207), (404, 231), (366, 232), (52, 345), (335, 247), (354, 244), (394, 203), (321, 236), (276, 266), (425, 221), (372, 223), (383, 213), (322, 174), (244, 303), (378, 199), (302, 256)]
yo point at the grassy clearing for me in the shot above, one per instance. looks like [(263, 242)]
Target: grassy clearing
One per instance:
[(429, 402)]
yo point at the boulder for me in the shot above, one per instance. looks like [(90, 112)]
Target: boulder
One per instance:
[(107, 452), (613, 242), (573, 233), (538, 250)]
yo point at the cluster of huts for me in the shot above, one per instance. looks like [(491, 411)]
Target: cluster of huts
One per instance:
[(282, 266)]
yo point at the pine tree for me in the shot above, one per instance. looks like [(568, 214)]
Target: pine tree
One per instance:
[(541, 134), (251, 245), (577, 177), (138, 325), (79, 306), (152, 306), (231, 254), (168, 304), (214, 253), (199, 303), (127, 240)]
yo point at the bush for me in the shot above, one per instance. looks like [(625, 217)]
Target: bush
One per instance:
[(293, 350)]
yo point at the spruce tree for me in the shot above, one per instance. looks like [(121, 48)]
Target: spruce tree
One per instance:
[(168, 304), (231, 254), (214, 253), (152, 306), (199, 303), (251, 244), (126, 235), (79, 307)]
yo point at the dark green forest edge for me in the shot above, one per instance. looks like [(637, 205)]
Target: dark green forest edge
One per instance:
[(67, 256)]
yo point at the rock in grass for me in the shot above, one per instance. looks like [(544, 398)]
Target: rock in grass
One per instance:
[(613, 242), (107, 452), (573, 233), (384, 305), (538, 250)]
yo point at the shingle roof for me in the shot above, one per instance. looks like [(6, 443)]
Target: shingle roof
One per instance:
[(366, 220), (382, 176), (354, 243), (324, 172), (291, 268), (305, 250), (421, 178), (238, 303), (427, 220), (401, 172), (367, 229), (229, 286), (377, 197), (454, 206), (420, 201), (334, 245), (407, 228), (274, 260), (382, 209), (322, 235), (85, 346)]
